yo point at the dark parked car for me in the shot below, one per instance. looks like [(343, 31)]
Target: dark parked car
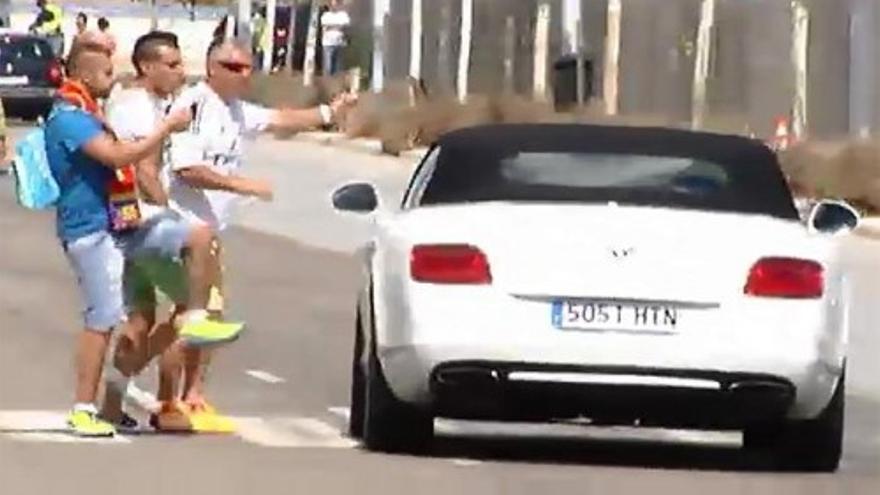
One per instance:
[(29, 74)]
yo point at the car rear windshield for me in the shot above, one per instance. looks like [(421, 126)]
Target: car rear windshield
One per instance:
[(634, 179), (12, 49)]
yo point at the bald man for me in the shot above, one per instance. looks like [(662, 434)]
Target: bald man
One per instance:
[(84, 158), (206, 163)]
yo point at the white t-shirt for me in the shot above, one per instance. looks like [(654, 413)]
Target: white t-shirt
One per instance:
[(333, 24), (216, 138), (134, 114)]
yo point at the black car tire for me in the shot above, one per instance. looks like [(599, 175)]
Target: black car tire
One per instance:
[(391, 425), (811, 445), (358, 384)]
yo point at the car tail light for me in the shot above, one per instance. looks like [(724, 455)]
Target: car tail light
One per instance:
[(786, 278), (449, 264), (53, 73)]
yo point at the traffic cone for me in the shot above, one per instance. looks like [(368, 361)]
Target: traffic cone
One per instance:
[(781, 137)]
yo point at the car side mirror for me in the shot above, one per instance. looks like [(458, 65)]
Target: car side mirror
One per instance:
[(358, 198), (833, 217)]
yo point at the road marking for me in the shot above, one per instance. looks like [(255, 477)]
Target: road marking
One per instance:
[(466, 462), (141, 398), (35, 437), (291, 432), (265, 376), (46, 426)]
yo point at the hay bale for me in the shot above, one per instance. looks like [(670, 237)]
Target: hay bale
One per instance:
[(847, 169)]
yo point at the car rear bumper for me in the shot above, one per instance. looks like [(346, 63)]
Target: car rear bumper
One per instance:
[(27, 94), (669, 398), (572, 381)]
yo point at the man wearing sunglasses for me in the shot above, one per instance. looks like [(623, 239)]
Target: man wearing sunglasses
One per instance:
[(133, 113), (206, 163)]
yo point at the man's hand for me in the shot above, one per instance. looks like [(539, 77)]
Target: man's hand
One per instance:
[(260, 189), (178, 120), (204, 177), (342, 103)]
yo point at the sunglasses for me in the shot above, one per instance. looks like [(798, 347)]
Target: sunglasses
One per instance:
[(236, 66)]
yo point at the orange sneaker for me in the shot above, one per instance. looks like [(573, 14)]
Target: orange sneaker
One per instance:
[(205, 418), (172, 417)]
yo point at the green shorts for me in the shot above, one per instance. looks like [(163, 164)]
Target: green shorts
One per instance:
[(145, 277)]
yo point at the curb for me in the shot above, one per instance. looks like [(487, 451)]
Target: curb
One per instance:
[(360, 145)]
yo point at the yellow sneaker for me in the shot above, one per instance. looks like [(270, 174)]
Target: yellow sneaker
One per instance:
[(172, 417), (88, 424), (209, 332), (205, 419)]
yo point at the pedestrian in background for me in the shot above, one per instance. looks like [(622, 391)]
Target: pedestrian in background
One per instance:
[(106, 37), (334, 23)]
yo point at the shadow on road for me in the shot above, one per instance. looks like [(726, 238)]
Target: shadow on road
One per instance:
[(641, 453), (861, 449)]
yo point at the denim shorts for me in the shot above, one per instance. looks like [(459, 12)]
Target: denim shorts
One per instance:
[(98, 261)]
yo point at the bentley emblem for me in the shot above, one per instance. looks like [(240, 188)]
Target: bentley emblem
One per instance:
[(621, 253)]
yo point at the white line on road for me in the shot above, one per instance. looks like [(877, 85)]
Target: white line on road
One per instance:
[(45, 426), (265, 376), (290, 432), (141, 398)]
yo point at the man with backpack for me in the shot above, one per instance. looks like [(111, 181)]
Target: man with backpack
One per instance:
[(99, 228)]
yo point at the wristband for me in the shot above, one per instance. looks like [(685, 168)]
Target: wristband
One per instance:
[(326, 114)]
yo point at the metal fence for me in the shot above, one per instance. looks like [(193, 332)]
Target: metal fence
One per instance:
[(751, 78)]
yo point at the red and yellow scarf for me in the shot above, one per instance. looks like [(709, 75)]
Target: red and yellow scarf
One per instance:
[(75, 93), (122, 189)]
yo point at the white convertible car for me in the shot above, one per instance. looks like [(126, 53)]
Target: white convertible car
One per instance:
[(619, 276)]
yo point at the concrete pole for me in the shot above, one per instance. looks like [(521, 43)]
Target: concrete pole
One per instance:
[(415, 43), (800, 56), (464, 54), (154, 16), (863, 67), (381, 11), (610, 84), (270, 33), (311, 45), (244, 21), (509, 54), (542, 41), (571, 24), (701, 64), (579, 64), (444, 49), (291, 37)]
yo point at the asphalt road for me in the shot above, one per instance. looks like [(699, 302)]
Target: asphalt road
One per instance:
[(292, 277)]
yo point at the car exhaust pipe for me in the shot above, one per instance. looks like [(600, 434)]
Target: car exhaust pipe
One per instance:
[(759, 386), (468, 376)]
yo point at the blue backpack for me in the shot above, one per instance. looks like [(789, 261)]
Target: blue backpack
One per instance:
[(35, 187)]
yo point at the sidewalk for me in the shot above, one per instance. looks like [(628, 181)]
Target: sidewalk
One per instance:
[(361, 145)]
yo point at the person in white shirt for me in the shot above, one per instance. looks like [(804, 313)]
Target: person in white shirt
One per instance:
[(207, 160), (133, 114), (334, 23)]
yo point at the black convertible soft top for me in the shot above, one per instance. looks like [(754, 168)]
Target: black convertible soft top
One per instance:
[(470, 162)]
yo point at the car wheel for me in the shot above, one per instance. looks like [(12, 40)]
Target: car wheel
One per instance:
[(358, 384), (813, 445), (389, 424)]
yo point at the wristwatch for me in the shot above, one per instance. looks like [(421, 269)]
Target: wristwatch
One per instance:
[(326, 113)]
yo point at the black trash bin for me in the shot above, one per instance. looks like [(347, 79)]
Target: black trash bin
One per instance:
[(565, 80)]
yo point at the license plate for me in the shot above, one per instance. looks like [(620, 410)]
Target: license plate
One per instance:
[(610, 315), (13, 80)]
